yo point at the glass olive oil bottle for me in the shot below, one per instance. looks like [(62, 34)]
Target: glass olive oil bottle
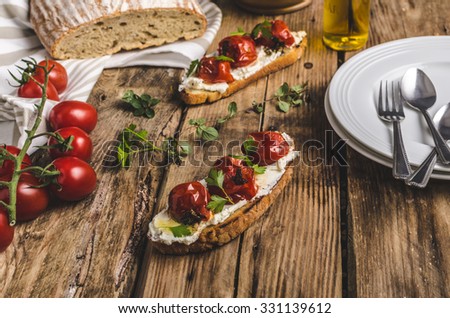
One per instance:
[(346, 24)]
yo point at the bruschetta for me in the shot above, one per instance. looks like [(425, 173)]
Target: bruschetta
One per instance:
[(240, 60), (204, 214)]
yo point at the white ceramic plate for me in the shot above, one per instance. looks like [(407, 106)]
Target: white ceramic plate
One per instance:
[(366, 152), (353, 93)]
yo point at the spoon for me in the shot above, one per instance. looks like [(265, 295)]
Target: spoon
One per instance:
[(419, 92), (422, 175)]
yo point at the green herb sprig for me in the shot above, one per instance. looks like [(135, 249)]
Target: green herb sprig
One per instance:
[(204, 132), (143, 104), (263, 29), (209, 133), (240, 31), (216, 178), (290, 96), (256, 168), (285, 97), (132, 141), (193, 67)]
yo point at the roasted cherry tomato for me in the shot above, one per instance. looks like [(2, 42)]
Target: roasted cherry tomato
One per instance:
[(212, 70), (241, 48), (71, 113), (31, 90), (239, 182), (31, 201), (81, 144), (7, 167), (6, 231), (188, 201), (262, 34), (273, 34), (76, 180), (265, 148), (58, 74), (281, 32)]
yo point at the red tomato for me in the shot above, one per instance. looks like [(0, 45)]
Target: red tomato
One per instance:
[(281, 32), (212, 70), (188, 201), (239, 182), (262, 34), (72, 113), (241, 48), (7, 167), (81, 144), (6, 231), (31, 90), (76, 180), (273, 34), (58, 74), (269, 147), (31, 202)]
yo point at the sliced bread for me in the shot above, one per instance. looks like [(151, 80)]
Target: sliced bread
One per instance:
[(92, 28)]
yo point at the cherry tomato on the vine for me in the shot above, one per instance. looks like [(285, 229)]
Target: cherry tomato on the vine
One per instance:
[(7, 167), (6, 231), (32, 90), (31, 201), (71, 113), (81, 144), (76, 180), (58, 74)]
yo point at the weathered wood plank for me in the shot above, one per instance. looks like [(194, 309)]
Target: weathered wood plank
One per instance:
[(91, 248), (210, 274), (294, 249), (399, 236)]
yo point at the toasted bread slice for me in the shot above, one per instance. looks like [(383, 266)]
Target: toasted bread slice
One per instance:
[(195, 97), (222, 233)]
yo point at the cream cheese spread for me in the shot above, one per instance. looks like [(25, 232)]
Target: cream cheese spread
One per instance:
[(159, 226), (265, 57)]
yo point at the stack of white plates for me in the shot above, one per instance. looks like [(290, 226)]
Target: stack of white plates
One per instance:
[(351, 99)]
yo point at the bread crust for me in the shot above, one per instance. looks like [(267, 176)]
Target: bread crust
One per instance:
[(196, 97), (222, 233)]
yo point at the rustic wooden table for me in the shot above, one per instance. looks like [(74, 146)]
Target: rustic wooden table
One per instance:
[(336, 231)]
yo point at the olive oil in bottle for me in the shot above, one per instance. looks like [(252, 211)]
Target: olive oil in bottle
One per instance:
[(346, 24)]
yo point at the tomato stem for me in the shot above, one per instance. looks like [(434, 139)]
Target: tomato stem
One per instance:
[(17, 160)]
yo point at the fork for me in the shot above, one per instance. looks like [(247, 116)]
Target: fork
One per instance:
[(390, 109)]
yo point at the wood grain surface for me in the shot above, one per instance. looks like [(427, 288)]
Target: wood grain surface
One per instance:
[(336, 231)]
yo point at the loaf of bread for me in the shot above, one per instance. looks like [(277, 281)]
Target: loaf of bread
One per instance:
[(222, 233), (93, 28)]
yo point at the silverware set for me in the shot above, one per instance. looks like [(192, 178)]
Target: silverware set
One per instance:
[(416, 91)]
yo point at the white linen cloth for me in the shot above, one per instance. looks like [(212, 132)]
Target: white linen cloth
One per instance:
[(18, 41)]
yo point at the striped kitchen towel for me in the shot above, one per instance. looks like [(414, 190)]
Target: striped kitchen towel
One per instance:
[(18, 40)]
